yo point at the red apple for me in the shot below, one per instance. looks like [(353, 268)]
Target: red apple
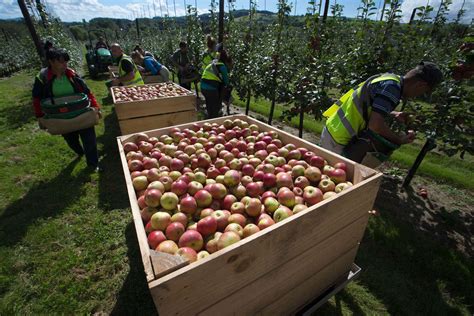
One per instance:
[(232, 178), (317, 161), (283, 179), (286, 197), (188, 205), (298, 208), (217, 190), (271, 204), (250, 229), (265, 222), (155, 238), (179, 187), (229, 199), (207, 225), (341, 165), (191, 239), (180, 217), (253, 207), (168, 246), (222, 219), (234, 227), (326, 185), (160, 220), (301, 182), (187, 253), (282, 213), (238, 219), (174, 230), (337, 175), (203, 198), (227, 239), (312, 195)]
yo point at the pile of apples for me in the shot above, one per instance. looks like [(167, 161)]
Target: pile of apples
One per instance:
[(203, 188), (148, 92)]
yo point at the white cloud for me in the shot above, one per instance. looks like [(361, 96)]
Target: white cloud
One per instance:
[(9, 9), (76, 10), (409, 5)]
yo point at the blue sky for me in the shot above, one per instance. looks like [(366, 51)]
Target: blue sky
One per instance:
[(76, 10)]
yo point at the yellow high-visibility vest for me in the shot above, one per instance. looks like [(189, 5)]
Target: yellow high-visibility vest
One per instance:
[(211, 72), (137, 78), (346, 116)]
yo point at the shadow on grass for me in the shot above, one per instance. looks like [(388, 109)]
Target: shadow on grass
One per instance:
[(134, 296), (43, 200), (112, 187), (406, 266), (15, 116)]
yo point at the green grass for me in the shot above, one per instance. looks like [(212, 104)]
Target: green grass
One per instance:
[(440, 167), (68, 245)]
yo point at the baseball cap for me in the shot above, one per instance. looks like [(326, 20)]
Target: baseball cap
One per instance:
[(430, 73)]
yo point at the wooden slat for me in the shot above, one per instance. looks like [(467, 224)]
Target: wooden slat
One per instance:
[(141, 124), (312, 287), (137, 219), (247, 260), (288, 276), (153, 79), (127, 110), (164, 263)]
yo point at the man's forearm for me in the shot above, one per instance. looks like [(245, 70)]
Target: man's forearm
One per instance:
[(127, 77), (386, 132)]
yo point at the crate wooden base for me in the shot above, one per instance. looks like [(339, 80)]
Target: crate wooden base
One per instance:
[(278, 270), (140, 124)]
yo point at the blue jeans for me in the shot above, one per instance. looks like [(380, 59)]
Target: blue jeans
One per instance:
[(88, 141)]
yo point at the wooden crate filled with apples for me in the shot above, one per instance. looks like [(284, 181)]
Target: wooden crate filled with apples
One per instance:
[(151, 106), (235, 217)]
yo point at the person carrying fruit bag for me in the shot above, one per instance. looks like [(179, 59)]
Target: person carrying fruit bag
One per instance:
[(355, 125), (214, 80), (63, 104)]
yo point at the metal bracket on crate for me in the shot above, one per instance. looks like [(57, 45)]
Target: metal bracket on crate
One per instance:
[(164, 263), (330, 292)]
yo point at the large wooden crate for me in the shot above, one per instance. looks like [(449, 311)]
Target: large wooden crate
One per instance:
[(138, 116), (276, 271)]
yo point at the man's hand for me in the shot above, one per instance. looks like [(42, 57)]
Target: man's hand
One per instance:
[(400, 116), (408, 138)]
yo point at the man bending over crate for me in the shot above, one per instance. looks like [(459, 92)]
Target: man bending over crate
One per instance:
[(128, 71), (355, 125)]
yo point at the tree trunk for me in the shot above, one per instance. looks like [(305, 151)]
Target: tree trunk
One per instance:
[(383, 11), (138, 28), (221, 21), (326, 9), (300, 128), (31, 28), (412, 15), (430, 144), (247, 106)]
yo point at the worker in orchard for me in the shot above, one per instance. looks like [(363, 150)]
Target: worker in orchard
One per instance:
[(128, 72), (214, 81), (356, 123)]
